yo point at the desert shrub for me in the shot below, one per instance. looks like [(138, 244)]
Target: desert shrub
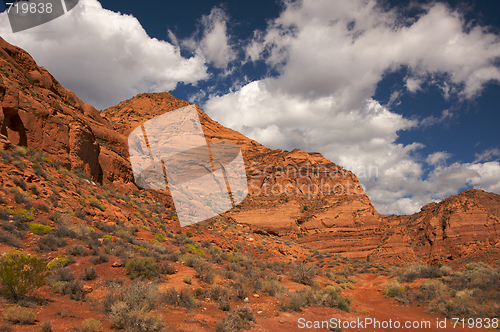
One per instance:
[(462, 305), (429, 290), (129, 306), (97, 204), (236, 321), (46, 326), (186, 300), (415, 271), (142, 321), (273, 288), (99, 259), (42, 207), (204, 272), (4, 214), (81, 214), (76, 250), (303, 273), (137, 295), (183, 299), (241, 290), (171, 296), (21, 273), (393, 289), (169, 268), (58, 262), (61, 274), (19, 315), (10, 239), (34, 189), (329, 297), (20, 198), (20, 183), (71, 288), (90, 325), (50, 242), (159, 237), (89, 274), (39, 229), (143, 267)]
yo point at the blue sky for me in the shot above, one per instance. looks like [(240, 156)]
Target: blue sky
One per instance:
[(410, 88)]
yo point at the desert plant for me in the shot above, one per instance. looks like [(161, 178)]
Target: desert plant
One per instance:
[(303, 273), (61, 274), (393, 289), (143, 267), (236, 321), (99, 259), (10, 239), (21, 273), (39, 229), (46, 326), (19, 315), (50, 242), (59, 261), (76, 250), (89, 274), (90, 325)]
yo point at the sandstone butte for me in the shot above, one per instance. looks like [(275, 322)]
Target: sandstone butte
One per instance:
[(39, 113)]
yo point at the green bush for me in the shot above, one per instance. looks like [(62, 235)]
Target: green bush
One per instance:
[(21, 273), (19, 315), (59, 261), (39, 229), (143, 267)]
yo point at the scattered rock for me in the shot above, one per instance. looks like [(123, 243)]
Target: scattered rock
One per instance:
[(116, 264)]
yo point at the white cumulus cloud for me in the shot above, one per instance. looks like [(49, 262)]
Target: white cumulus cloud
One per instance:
[(330, 56), (103, 56)]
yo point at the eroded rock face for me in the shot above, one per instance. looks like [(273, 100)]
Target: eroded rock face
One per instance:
[(297, 195), (37, 112)]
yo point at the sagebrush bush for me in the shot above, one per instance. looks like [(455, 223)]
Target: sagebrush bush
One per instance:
[(128, 306), (19, 315), (236, 321), (143, 267), (21, 273), (89, 274), (50, 242), (393, 289), (76, 250), (61, 274), (90, 325), (303, 273), (415, 271), (10, 239), (99, 259)]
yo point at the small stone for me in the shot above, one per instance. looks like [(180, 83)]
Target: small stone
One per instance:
[(116, 264), (246, 299), (260, 312), (87, 289), (256, 295)]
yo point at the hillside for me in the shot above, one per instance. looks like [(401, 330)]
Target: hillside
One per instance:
[(67, 195)]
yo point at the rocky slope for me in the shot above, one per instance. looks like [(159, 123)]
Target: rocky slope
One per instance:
[(296, 195)]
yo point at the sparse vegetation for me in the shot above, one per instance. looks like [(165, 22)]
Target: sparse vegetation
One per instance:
[(21, 273), (19, 315)]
